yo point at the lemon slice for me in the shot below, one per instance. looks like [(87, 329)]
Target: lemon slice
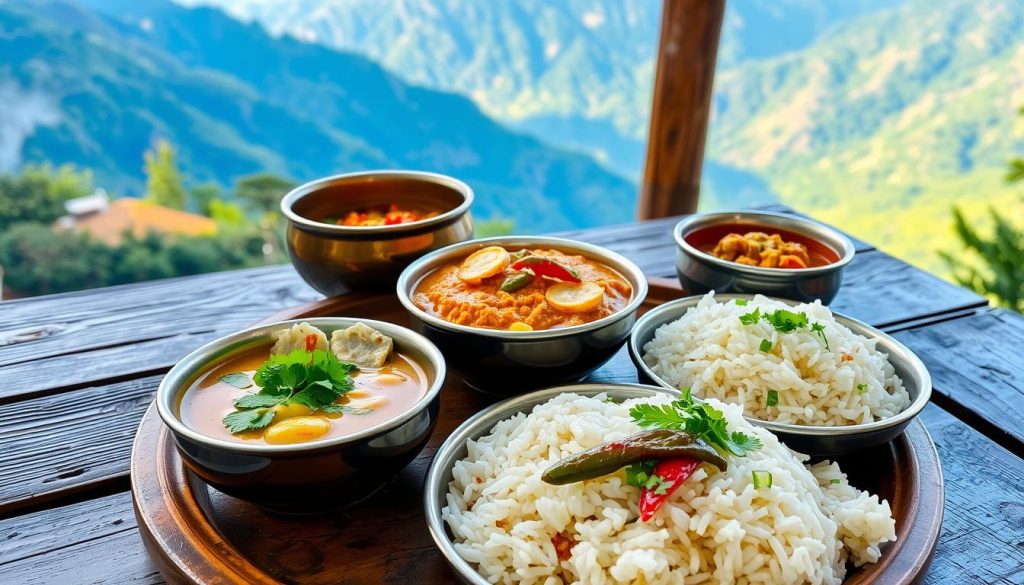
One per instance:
[(483, 263), (520, 326), (574, 298)]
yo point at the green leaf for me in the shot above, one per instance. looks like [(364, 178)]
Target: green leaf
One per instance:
[(698, 419), (237, 379), (317, 394), (773, 398), (346, 409), (819, 329), (258, 401), (741, 302), (752, 317), (862, 388), (662, 416), (248, 420), (786, 321), (766, 345), (638, 473)]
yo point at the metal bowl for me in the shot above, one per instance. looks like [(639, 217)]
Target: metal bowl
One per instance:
[(511, 362), (299, 478), (813, 440), (700, 272), (336, 259), (454, 448)]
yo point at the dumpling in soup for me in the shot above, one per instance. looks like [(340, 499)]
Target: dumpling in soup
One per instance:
[(303, 337), (361, 345)]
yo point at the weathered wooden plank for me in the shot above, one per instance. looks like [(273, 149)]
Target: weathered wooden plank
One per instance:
[(115, 559), (977, 366), (58, 444), (49, 530), (982, 537), (982, 529)]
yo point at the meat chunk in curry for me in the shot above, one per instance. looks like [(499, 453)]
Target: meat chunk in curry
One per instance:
[(761, 249)]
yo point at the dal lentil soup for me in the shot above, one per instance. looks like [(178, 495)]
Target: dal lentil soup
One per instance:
[(260, 396), (522, 290)]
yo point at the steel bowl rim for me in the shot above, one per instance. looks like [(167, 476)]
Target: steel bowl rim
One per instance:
[(407, 283), (888, 344), (482, 421), (807, 228), (200, 360), (299, 193)]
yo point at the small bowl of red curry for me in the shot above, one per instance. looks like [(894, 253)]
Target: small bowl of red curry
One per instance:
[(516, 313), (762, 252), (358, 231), (304, 425)]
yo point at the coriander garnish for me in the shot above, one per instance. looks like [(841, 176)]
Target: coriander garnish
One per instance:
[(698, 419), (785, 322), (773, 398), (237, 379), (314, 379), (862, 388), (766, 345)]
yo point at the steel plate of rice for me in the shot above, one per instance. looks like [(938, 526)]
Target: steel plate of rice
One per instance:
[(791, 364), (716, 526)]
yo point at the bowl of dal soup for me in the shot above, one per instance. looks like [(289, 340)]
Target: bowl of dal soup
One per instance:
[(304, 416), (775, 254), (358, 231), (517, 313)]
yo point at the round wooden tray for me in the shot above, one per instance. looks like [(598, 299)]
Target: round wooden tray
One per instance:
[(196, 535)]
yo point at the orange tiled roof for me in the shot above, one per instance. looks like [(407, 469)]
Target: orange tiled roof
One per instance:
[(141, 217)]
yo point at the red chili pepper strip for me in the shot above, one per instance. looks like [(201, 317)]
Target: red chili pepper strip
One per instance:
[(672, 474), (311, 342), (545, 267)]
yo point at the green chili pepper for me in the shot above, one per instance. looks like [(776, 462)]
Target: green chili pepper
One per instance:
[(652, 444), (517, 281)]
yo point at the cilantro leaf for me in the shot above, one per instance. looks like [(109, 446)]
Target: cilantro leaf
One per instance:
[(862, 388), (638, 473), (346, 409), (752, 317), (248, 420), (741, 302), (698, 419), (237, 379), (258, 401), (766, 345), (786, 321), (819, 329), (316, 394)]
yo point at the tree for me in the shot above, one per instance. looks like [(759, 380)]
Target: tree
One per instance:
[(263, 192), (995, 266), (38, 261), (496, 226), (163, 180), (38, 193), (201, 196)]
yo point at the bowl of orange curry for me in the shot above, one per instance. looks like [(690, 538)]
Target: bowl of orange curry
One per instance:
[(360, 230), (512, 314), (775, 254), (304, 416)]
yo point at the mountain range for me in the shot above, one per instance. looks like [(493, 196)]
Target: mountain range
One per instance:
[(96, 83), (878, 115)]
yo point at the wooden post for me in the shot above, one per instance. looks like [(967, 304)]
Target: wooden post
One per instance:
[(681, 106)]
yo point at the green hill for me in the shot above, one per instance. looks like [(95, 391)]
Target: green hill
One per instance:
[(885, 122), (235, 100)]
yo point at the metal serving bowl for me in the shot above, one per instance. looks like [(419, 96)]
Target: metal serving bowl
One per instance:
[(512, 362), (813, 440), (454, 448), (336, 259), (300, 477), (700, 272)]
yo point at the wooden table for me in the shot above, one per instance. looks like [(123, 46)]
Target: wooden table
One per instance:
[(78, 370)]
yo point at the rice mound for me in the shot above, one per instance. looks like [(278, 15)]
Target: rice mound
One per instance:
[(714, 354), (716, 528)]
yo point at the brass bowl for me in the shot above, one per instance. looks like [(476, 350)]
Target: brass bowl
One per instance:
[(337, 260)]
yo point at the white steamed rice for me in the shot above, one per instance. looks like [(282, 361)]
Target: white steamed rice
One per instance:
[(710, 351), (716, 528)]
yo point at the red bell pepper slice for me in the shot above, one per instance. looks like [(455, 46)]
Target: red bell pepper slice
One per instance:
[(545, 267), (671, 474)]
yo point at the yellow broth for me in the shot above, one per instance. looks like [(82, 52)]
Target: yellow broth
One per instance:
[(391, 390)]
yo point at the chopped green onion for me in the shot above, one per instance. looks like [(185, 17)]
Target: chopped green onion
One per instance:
[(773, 398), (741, 302), (833, 481), (766, 345), (762, 479), (862, 388)]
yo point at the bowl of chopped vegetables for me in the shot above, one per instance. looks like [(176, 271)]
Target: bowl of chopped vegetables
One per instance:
[(359, 230)]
